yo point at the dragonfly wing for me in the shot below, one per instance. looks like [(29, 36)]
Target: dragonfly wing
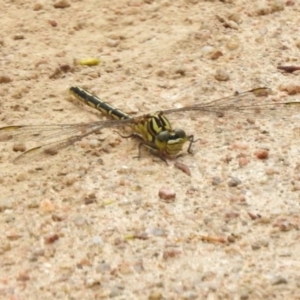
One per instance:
[(44, 133), (250, 103), (60, 136), (23, 133), (44, 151)]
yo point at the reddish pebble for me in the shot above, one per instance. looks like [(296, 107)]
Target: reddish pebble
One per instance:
[(5, 79), (167, 194), (171, 253), (37, 6), (184, 168), (243, 161), (231, 215), (262, 154), (290, 3), (20, 147), (291, 89), (61, 4), (23, 276), (51, 238), (216, 54), (52, 23)]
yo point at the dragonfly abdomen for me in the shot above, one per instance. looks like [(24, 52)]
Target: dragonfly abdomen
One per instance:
[(98, 104)]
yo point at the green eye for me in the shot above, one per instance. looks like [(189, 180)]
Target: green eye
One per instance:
[(179, 133), (163, 136)]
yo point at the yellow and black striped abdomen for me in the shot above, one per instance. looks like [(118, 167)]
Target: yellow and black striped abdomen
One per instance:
[(97, 103)]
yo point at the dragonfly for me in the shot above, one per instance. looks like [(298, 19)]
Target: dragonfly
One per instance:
[(153, 130)]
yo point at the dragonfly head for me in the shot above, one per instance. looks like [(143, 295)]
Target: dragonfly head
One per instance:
[(171, 142)]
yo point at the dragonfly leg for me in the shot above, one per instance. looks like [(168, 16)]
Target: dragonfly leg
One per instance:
[(152, 149), (192, 141), (126, 136)]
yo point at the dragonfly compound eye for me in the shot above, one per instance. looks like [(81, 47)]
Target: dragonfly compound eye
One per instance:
[(163, 136), (179, 133)]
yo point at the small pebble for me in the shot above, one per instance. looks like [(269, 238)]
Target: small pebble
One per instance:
[(277, 5), (222, 75), (262, 9), (207, 50), (53, 23), (231, 215), (70, 179), (154, 231), (125, 268), (91, 282), (5, 246), (22, 176), (256, 246), (65, 68), (290, 3), (291, 89), (89, 199), (19, 147), (167, 194), (179, 70), (278, 280), (57, 218), (51, 238), (46, 206), (13, 235), (5, 204), (161, 73), (233, 182), (103, 267), (61, 4), (183, 167), (237, 199), (155, 295), (231, 239), (243, 161), (97, 240), (288, 68), (112, 43), (94, 143), (18, 37), (233, 44), (39, 252), (32, 203), (37, 6), (262, 154), (23, 276), (236, 17), (216, 181), (252, 216), (79, 221), (264, 243), (5, 79), (171, 253), (134, 3), (216, 54)]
